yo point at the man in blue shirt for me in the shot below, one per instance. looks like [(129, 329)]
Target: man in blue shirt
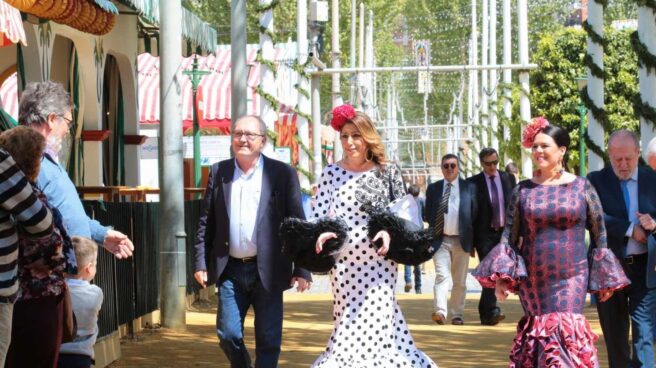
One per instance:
[(47, 108)]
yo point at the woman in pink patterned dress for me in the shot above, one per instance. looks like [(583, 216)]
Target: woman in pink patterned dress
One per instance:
[(542, 256)]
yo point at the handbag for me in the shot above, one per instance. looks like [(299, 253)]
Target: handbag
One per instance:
[(69, 329)]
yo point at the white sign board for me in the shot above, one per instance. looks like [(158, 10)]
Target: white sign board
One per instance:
[(213, 148), (283, 154)]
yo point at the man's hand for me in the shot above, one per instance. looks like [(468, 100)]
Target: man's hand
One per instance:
[(639, 234), (385, 236), (646, 221), (201, 277), (302, 284), (118, 244)]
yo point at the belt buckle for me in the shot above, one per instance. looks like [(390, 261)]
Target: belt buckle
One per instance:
[(248, 259), (628, 260)]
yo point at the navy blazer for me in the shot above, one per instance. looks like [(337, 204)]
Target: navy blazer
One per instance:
[(616, 217), (466, 213), (280, 198)]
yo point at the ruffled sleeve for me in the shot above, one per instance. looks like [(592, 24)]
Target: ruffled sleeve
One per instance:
[(606, 273), (504, 262)]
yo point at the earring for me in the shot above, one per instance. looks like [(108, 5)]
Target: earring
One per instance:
[(369, 153)]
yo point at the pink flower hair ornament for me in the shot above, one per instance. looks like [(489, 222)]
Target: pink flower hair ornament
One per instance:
[(532, 129), (341, 115)]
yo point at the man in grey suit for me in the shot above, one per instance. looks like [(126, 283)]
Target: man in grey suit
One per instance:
[(628, 198), (450, 210), (238, 246)]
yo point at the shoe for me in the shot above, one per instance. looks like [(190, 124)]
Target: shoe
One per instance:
[(418, 291), (494, 319), (438, 318), (457, 321), (408, 287)]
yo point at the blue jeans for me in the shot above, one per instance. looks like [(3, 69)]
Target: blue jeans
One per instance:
[(408, 276), (239, 289)]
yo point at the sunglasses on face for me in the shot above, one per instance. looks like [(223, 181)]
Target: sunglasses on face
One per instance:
[(491, 163), (448, 166)]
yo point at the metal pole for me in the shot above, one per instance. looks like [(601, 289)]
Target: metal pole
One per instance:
[(524, 102), (485, 41), (474, 77), (596, 84), (172, 236), (336, 91), (430, 68), (238, 72), (304, 103), (197, 169), (316, 127), (507, 59), (336, 98), (494, 98), (354, 12)]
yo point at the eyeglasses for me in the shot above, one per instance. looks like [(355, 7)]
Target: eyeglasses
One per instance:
[(249, 135), (68, 121), (491, 163), (449, 166)]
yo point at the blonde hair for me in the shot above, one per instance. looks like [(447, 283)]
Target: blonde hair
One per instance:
[(26, 146), (375, 149), (86, 251)]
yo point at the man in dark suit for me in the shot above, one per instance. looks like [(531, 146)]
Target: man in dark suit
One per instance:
[(238, 247), (493, 191), (450, 210), (628, 199)]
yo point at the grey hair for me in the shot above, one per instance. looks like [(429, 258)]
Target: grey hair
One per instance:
[(651, 148), (625, 134), (42, 99), (263, 127)]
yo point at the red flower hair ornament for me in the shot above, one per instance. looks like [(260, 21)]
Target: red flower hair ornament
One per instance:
[(532, 129), (341, 115)]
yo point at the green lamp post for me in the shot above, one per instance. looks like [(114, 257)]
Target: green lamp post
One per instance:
[(582, 83), (195, 77)]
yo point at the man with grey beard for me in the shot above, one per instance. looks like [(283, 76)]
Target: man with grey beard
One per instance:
[(47, 108)]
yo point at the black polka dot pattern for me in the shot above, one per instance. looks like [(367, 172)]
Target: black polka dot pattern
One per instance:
[(370, 330)]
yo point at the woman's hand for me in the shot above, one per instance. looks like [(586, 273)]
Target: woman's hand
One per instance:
[(385, 237), (322, 239), (501, 289), (605, 295)]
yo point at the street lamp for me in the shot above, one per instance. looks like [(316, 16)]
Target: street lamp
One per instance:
[(195, 77), (582, 83)]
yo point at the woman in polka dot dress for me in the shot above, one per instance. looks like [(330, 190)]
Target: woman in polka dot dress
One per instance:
[(369, 328), (542, 256)]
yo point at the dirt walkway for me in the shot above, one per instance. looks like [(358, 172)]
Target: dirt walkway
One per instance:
[(307, 327)]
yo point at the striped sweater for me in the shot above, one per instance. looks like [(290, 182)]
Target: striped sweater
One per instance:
[(17, 204)]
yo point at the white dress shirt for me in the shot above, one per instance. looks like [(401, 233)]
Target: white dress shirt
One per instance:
[(244, 201), (502, 200), (632, 246), (451, 217)]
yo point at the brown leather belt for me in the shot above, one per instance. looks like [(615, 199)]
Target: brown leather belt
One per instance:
[(244, 260)]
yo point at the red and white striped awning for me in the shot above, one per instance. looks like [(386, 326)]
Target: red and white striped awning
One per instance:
[(9, 96), (11, 25), (215, 104)]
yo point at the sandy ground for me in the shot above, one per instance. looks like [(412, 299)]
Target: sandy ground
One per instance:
[(307, 327)]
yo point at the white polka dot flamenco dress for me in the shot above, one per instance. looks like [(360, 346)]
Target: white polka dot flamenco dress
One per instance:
[(370, 330)]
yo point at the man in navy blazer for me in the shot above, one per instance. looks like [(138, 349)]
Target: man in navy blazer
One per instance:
[(450, 211), (488, 225), (238, 246), (628, 198)]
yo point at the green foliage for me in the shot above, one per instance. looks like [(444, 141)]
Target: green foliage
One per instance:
[(554, 87)]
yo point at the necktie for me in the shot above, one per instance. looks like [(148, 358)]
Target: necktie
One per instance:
[(441, 210), (496, 208), (627, 198)]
